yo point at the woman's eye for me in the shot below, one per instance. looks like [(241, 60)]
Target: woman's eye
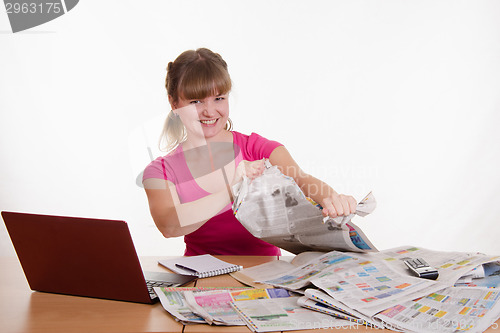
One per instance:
[(194, 102), (219, 98)]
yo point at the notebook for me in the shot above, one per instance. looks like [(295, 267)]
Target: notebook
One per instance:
[(83, 257), (201, 266)]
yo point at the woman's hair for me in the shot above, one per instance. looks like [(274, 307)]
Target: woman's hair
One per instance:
[(195, 74)]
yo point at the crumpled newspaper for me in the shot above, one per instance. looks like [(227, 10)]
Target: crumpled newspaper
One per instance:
[(273, 208), (364, 207)]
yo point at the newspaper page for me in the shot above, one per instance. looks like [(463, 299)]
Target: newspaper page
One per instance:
[(490, 277), (284, 314), (251, 275), (321, 307), (173, 301), (273, 208), (322, 297), (215, 305), (366, 285), (305, 257), (371, 286), (450, 265), (301, 276), (453, 309), (477, 272)]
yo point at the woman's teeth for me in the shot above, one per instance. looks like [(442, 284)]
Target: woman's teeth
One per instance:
[(208, 122)]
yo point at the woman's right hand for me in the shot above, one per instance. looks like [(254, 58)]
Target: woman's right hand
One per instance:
[(251, 169)]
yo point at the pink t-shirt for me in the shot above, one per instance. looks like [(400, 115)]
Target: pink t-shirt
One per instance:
[(223, 234)]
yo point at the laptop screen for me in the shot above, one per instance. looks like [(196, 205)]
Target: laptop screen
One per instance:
[(77, 256)]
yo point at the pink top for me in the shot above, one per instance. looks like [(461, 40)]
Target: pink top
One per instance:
[(223, 234)]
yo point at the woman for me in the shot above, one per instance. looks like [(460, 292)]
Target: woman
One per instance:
[(189, 189)]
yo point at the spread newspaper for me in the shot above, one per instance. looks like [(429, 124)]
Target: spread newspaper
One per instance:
[(174, 301), (367, 285), (338, 279), (350, 290), (273, 208), (262, 310), (453, 309), (285, 314)]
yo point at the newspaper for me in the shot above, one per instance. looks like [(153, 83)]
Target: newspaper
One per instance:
[(251, 275), (285, 314), (452, 309), (321, 307), (219, 306), (317, 268), (369, 286), (173, 301), (486, 276), (359, 287), (215, 305), (273, 208), (322, 297), (450, 265)]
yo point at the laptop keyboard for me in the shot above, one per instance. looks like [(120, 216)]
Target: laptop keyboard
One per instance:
[(151, 284)]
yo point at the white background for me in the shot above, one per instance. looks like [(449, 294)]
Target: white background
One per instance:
[(398, 97)]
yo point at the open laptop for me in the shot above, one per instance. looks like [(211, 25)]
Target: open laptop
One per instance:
[(83, 257)]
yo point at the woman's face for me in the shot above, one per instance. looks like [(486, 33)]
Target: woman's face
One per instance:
[(206, 117)]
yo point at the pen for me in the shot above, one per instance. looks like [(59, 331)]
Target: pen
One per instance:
[(186, 268)]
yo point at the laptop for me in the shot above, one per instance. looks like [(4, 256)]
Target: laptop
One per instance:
[(83, 257)]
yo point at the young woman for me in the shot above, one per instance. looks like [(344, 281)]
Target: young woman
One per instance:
[(189, 189)]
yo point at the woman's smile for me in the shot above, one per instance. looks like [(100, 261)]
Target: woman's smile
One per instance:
[(209, 122)]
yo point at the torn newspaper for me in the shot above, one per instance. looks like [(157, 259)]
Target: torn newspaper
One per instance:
[(273, 208)]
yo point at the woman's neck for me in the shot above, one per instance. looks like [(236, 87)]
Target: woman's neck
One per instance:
[(197, 141)]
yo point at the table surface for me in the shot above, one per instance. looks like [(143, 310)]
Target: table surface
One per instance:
[(22, 310)]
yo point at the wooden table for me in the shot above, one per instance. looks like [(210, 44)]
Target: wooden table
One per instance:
[(22, 310)]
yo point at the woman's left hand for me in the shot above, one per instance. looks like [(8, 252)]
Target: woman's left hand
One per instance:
[(333, 204), (338, 205)]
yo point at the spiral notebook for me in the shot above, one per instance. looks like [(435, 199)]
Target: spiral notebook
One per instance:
[(201, 266)]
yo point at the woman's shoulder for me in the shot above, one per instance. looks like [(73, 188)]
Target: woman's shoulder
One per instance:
[(255, 146), (160, 166), (248, 138)]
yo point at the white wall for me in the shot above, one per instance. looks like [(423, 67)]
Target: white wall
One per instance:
[(398, 97)]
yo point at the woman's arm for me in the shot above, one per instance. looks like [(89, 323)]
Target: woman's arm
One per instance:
[(333, 204), (173, 218)]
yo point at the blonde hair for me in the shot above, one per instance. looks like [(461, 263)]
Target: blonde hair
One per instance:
[(195, 74)]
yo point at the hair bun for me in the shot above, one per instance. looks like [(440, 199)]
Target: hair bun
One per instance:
[(169, 66)]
